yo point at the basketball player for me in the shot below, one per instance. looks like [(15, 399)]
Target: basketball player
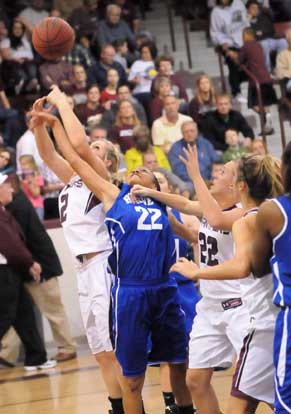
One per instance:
[(143, 294), (258, 178), (82, 217), (188, 294), (222, 319), (272, 242)]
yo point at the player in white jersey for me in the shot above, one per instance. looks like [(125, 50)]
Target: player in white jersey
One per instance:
[(222, 319), (82, 217), (258, 179)]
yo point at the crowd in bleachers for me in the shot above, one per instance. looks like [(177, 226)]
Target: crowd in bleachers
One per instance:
[(123, 88)]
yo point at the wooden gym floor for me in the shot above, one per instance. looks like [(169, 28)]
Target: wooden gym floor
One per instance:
[(76, 387)]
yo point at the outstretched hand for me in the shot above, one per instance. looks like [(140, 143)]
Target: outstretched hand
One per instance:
[(56, 96), (185, 267), (191, 161), (42, 117), (138, 191)]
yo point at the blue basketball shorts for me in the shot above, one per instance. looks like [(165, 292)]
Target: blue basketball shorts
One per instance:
[(282, 362), (143, 315), (188, 297)]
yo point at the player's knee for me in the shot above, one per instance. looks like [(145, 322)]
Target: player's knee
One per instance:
[(197, 381), (105, 358), (133, 385)]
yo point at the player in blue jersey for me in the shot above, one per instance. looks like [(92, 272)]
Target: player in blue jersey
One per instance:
[(272, 246), (187, 291), (145, 298)]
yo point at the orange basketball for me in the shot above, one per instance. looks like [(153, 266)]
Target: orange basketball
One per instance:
[(53, 38)]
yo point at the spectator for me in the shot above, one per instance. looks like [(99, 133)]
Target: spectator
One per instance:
[(84, 19), (32, 183), (123, 93), (98, 72), (126, 121), (81, 54), (114, 28), (15, 304), (129, 14), (251, 54), (261, 23), (33, 15), (56, 72), (46, 295), (18, 60), (214, 123), (164, 65), (90, 113), (6, 161), (143, 70), (121, 49), (97, 133), (51, 190), (26, 145), (234, 150), (283, 65), (204, 99), (163, 88), (228, 19), (109, 94), (206, 154), (78, 88), (167, 129), (67, 7), (258, 146), (134, 156)]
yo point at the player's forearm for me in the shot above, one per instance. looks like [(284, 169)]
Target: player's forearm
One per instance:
[(177, 202), (44, 144), (229, 270)]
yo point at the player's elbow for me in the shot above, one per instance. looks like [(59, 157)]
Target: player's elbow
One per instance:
[(243, 269)]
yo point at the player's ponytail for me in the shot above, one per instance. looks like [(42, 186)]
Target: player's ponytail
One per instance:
[(262, 175), (286, 168)]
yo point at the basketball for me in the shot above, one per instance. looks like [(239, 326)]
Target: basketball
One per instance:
[(53, 38)]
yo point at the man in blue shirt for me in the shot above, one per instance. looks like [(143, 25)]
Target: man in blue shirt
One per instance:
[(206, 153)]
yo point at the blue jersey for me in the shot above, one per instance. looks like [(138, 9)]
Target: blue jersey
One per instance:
[(142, 239), (181, 249), (281, 260)]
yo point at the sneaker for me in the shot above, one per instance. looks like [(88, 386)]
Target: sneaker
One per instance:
[(65, 356), (50, 363), (171, 409), (240, 98)]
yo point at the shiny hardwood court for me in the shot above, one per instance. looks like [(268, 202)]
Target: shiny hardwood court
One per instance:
[(76, 387)]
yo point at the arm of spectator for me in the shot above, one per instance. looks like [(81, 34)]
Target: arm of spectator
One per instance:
[(100, 35), (12, 246), (215, 216), (177, 166), (182, 90), (217, 34), (48, 188), (283, 68), (4, 99), (244, 127), (194, 109)]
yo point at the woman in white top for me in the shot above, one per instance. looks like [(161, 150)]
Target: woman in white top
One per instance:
[(142, 72), (18, 59)]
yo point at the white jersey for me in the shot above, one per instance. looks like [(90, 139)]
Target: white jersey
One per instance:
[(82, 217), (215, 247)]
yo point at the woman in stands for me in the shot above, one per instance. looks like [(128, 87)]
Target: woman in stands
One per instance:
[(204, 99)]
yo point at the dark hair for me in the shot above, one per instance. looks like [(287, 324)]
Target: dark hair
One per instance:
[(152, 48), (156, 182), (262, 175), (16, 41), (250, 2), (118, 43), (164, 58), (92, 85), (286, 160)]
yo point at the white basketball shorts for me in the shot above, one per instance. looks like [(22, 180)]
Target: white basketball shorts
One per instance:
[(94, 289), (217, 333)]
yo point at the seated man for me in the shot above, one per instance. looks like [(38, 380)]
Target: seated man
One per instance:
[(214, 123), (206, 153), (113, 28), (134, 156), (261, 23), (167, 129)]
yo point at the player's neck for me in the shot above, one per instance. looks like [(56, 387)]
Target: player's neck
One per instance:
[(225, 201)]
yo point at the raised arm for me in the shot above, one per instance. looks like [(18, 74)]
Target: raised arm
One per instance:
[(47, 149), (237, 268), (217, 218), (175, 201), (75, 131), (104, 191)]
